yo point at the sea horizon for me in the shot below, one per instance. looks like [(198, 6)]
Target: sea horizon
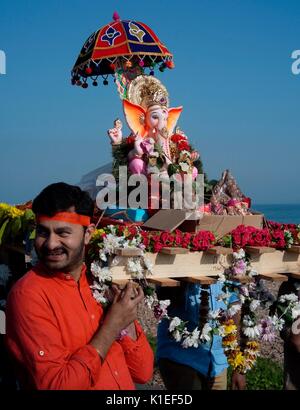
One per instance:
[(284, 213)]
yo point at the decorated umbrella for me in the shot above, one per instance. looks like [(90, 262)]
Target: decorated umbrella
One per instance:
[(124, 48)]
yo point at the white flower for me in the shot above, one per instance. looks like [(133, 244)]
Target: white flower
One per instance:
[(252, 331), (149, 300), (288, 298), (254, 305), (96, 285), (221, 277), (233, 310), (164, 303), (214, 314), (102, 256), (149, 265), (111, 242), (252, 273), (221, 331), (177, 335), (99, 297), (277, 323), (184, 166), (247, 321), (103, 274), (240, 254), (174, 323), (135, 268), (296, 311), (192, 340), (205, 334)]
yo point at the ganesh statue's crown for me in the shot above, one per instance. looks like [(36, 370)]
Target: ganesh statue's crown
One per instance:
[(147, 91)]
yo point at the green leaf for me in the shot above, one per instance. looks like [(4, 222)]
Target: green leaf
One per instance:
[(2, 229), (15, 227)]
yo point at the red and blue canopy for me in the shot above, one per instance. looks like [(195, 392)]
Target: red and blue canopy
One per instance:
[(121, 39)]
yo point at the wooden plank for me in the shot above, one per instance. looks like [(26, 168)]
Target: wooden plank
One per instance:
[(274, 276), (220, 250), (128, 252), (174, 251), (166, 220), (295, 275), (294, 249), (240, 279), (205, 264), (120, 282), (202, 280), (259, 250), (164, 282)]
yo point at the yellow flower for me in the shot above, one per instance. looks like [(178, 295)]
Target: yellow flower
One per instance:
[(253, 345), (230, 328), (239, 360), (4, 206), (15, 212), (98, 233), (10, 211)]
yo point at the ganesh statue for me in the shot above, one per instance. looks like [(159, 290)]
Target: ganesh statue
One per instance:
[(153, 147)]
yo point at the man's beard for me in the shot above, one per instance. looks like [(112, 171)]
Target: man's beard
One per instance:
[(66, 263)]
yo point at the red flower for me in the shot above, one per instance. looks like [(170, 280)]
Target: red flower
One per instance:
[(183, 146), (133, 230), (130, 140), (178, 137)]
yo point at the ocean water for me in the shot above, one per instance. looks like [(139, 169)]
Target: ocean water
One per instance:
[(287, 213)]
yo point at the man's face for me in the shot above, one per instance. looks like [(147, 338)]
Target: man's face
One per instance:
[(60, 245)]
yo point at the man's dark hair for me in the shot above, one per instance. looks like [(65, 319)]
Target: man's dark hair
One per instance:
[(59, 197)]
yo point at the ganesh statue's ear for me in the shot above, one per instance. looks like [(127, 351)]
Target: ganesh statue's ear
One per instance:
[(174, 114), (135, 116)]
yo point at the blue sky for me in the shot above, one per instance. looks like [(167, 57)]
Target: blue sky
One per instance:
[(233, 77)]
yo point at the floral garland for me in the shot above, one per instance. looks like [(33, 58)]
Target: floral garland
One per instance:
[(241, 355), (279, 236), (14, 221)]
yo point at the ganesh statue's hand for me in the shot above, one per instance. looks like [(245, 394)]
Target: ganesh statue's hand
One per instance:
[(115, 134), (137, 150)]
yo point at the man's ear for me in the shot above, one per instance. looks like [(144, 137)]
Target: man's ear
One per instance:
[(88, 233)]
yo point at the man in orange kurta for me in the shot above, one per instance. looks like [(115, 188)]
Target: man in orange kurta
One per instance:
[(57, 332)]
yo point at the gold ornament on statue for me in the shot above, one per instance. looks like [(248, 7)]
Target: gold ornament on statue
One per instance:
[(147, 91)]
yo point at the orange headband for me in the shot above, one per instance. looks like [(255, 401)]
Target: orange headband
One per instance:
[(70, 217)]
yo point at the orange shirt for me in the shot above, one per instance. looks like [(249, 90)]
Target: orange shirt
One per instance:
[(50, 322)]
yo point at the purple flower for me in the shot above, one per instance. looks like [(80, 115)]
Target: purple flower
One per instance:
[(160, 309), (239, 267), (267, 330)]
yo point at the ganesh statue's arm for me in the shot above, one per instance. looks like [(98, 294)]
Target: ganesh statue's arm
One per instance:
[(115, 134)]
